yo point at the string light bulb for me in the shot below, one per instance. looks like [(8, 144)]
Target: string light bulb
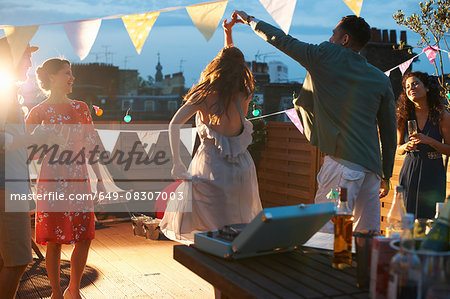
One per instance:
[(256, 111), (98, 110), (127, 117)]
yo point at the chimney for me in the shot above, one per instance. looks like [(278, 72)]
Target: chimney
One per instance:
[(375, 35), (403, 36), (385, 36), (393, 37)]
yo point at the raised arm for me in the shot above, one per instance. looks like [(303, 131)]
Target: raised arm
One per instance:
[(304, 53), (181, 117), (227, 30)]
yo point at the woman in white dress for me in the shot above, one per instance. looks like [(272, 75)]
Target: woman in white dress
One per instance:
[(224, 186)]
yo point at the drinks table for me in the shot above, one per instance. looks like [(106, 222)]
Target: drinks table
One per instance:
[(302, 273)]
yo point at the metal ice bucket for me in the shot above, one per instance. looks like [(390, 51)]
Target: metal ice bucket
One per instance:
[(435, 269)]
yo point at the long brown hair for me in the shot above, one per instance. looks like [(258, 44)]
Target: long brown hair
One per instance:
[(435, 101), (227, 74)]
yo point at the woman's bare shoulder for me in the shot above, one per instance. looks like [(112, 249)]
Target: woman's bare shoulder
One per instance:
[(445, 119)]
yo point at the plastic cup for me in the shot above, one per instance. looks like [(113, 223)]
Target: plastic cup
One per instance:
[(363, 244)]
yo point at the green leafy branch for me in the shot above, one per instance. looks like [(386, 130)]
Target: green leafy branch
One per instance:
[(432, 25)]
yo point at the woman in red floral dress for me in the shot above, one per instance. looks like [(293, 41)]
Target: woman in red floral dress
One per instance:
[(68, 221)]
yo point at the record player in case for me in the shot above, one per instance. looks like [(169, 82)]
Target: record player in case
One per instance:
[(273, 230)]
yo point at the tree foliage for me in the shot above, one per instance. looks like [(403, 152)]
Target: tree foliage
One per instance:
[(432, 24)]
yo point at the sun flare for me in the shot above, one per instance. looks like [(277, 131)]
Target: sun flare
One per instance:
[(6, 78)]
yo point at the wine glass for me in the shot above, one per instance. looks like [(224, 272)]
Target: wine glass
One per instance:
[(412, 129)]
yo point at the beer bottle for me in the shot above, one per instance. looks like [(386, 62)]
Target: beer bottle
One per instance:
[(343, 232), (394, 217), (438, 237)]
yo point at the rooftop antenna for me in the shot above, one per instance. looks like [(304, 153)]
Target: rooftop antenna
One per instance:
[(97, 54), (125, 60), (107, 53), (181, 65)]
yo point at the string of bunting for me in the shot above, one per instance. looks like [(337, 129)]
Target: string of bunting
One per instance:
[(430, 52), (187, 135), (83, 33), (205, 16)]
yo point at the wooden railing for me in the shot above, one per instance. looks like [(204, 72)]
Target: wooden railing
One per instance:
[(288, 167)]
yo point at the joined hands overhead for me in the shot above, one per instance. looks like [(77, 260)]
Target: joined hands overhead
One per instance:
[(228, 25)]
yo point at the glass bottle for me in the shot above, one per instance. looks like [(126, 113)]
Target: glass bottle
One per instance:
[(405, 273), (431, 222), (343, 232), (438, 237), (439, 206), (394, 217), (435, 283)]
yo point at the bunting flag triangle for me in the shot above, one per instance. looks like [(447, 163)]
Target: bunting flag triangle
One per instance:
[(405, 65), (293, 116), (108, 138), (206, 17), (354, 5), (387, 73), (82, 35), (187, 137), (281, 11), (139, 26), (150, 138), (431, 53), (18, 39), (108, 182)]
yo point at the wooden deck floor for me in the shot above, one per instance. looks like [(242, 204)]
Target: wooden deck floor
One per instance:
[(121, 265)]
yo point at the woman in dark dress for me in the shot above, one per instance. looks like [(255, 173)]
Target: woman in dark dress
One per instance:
[(423, 173)]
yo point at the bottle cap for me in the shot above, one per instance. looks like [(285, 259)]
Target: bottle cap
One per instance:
[(408, 220)]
